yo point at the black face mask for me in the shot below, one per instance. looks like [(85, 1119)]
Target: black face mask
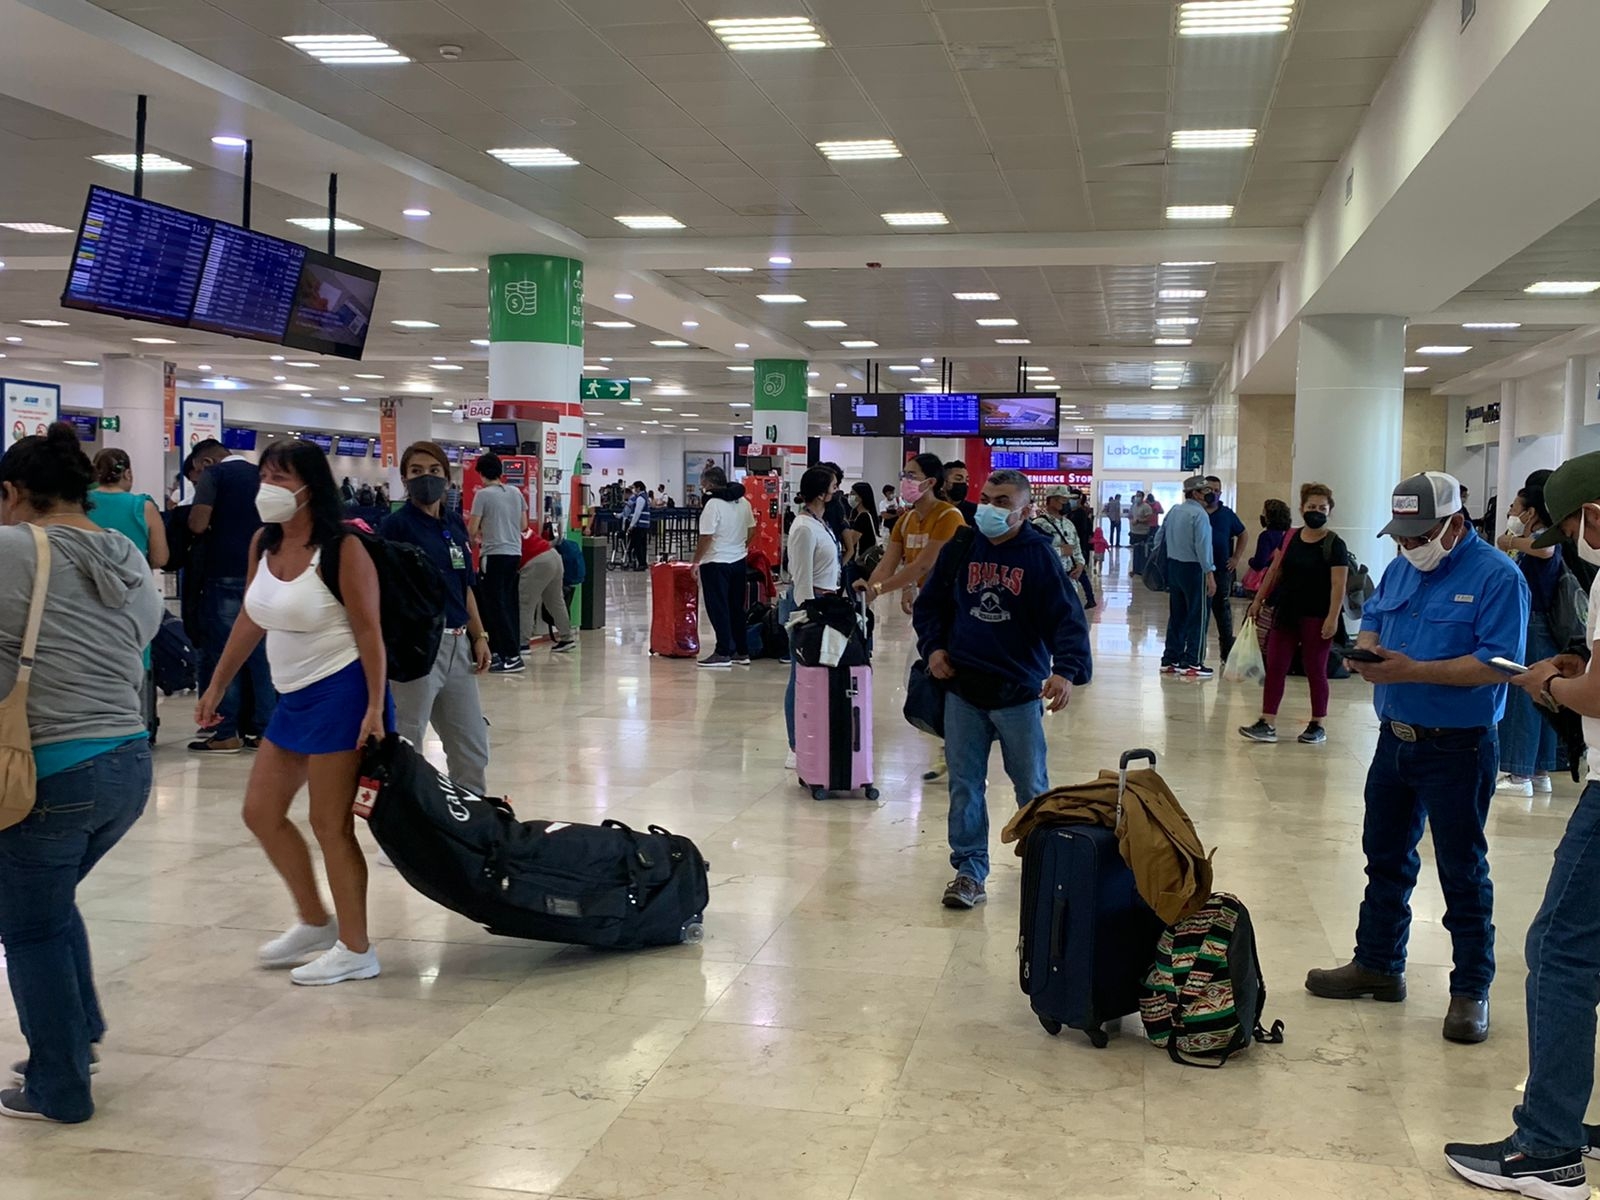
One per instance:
[(1315, 519), (958, 492), (426, 490), (1208, 498)]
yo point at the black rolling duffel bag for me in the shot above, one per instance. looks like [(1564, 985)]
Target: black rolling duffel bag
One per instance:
[(552, 881)]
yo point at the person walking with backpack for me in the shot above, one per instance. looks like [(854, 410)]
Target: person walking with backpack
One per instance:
[(1301, 596), (1544, 1155), (448, 695), (328, 665), (1001, 627), (1527, 740)]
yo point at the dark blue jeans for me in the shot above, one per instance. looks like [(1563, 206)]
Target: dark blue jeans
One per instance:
[(220, 605), (1186, 614), (1445, 782), (1563, 954), (79, 815), (724, 586)]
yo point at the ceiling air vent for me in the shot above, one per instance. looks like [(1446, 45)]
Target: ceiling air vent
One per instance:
[(1003, 58)]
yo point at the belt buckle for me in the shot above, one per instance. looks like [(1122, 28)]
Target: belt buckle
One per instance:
[(1406, 733)]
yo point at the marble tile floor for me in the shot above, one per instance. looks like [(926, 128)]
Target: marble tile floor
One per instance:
[(838, 1036)]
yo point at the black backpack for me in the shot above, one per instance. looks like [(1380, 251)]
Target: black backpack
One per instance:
[(410, 601)]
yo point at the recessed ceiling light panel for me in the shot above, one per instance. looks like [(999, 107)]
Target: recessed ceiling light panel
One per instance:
[(1181, 294), (781, 298), (1492, 325), (651, 221), (915, 218), (976, 295), (767, 33), (320, 224), (533, 156), (346, 49), (1199, 212), (1213, 139), (1563, 287), (997, 322), (153, 163), (1231, 18), (33, 227), (1443, 351), (826, 324), (862, 148)]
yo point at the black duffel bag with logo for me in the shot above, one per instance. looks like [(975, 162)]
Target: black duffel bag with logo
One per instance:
[(551, 881)]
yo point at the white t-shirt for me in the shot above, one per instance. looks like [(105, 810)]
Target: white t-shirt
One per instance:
[(726, 523)]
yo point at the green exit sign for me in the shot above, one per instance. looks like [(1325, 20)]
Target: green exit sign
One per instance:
[(114, 424), (604, 389)]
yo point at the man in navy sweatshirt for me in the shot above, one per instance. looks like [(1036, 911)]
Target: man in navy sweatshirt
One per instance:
[(1000, 626)]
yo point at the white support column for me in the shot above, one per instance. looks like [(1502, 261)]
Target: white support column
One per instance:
[(1572, 401), (413, 422), (133, 393), (1348, 417), (881, 460), (1504, 486)]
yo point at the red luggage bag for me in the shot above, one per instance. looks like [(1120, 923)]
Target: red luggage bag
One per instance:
[(674, 610)]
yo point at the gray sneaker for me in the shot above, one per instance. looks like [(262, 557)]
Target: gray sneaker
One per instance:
[(716, 662), (19, 1069), (1260, 732), (1314, 735), (964, 892)]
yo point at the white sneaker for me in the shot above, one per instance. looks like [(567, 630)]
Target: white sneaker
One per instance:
[(790, 762), (298, 944), (1512, 786), (336, 966), (1541, 784)]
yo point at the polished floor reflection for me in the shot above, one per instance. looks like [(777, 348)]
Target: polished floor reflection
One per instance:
[(838, 1035)]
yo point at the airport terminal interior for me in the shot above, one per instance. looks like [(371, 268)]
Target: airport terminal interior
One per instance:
[(1102, 246)]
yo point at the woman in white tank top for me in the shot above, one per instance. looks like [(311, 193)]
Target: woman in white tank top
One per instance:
[(328, 665)]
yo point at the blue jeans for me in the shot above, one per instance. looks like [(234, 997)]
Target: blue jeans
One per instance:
[(1446, 782), (969, 732), (1186, 614), (79, 815), (1563, 954), (221, 602), (1527, 740), (724, 586)]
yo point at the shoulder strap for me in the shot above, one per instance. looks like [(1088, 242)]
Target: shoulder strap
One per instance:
[(41, 586), (330, 566)]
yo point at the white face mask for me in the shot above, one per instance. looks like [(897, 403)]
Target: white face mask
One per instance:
[(277, 504), (1585, 551), (1516, 527), (1429, 555)]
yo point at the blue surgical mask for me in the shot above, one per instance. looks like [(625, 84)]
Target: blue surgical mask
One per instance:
[(992, 522)]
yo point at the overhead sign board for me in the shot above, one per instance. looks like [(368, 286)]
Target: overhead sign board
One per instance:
[(605, 389)]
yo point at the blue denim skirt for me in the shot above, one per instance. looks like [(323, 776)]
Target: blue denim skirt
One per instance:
[(325, 717)]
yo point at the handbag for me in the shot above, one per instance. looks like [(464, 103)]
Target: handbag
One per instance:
[(19, 781), (924, 707)]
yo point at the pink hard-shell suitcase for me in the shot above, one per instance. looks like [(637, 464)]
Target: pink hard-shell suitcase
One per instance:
[(833, 729)]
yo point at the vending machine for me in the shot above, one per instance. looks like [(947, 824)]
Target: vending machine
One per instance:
[(522, 472), (765, 495)]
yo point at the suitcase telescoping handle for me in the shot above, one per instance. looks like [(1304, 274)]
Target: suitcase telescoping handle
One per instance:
[(1128, 758)]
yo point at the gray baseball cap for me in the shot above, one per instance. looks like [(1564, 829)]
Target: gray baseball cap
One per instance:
[(1195, 483), (1421, 502)]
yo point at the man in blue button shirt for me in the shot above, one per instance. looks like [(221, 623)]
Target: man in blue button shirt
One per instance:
[(1445, 608), (1191, 582)]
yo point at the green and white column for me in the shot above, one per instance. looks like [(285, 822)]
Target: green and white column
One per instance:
[(536, 343), (778, 407)]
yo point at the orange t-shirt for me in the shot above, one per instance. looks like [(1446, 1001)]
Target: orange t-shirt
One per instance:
[(914, 531)]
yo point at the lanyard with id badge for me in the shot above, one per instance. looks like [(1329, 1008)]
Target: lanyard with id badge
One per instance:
[(458, 553)]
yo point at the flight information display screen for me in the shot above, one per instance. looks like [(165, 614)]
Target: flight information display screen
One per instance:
[(135, 258), (1016, 460), (866, 416), (248, 284), (935, 414)]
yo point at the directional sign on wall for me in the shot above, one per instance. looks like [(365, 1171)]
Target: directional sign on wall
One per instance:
[(604, 389)]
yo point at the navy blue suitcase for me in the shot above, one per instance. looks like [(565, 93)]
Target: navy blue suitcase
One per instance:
[(1088, 938)]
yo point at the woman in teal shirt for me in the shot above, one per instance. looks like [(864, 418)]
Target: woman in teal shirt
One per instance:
[(115, 505)]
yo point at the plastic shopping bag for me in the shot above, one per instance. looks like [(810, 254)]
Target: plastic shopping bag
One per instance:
[(1245, 662)]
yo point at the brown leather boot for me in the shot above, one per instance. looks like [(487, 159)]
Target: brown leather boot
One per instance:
[(1354, 982), (1467, 1020)]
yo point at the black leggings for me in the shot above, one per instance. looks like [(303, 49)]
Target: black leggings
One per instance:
[(497, 598)]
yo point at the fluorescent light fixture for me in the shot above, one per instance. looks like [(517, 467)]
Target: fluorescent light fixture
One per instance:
[(44, 323), (533, 156), (13, 339), (79, 362), (1174, 341), (309, 366), (622, 295), (1199, 212), (1443, 350), (780, 298), (923, 379), (1013, 341), (690, 324), (229, 140), (155, 341), (779, 260), (976, 295), (445, 366), (354, 399), (454, 270), (826, 324), (368, 377), (412, 324), (152, 162), (1563, 287), (767, 33), (997, 322), (1213, 139), (33, 227), (1415, 370), (1492, 325), (741, 345), (915, 218), (280, 379), (615, 325), (731, 270), (1224, 18), (861, 148), (1043, 386), (320, 224), (668, 343), (651, 221), (1192, 263), (741, 368), (440, 411), (1181, 294), (859, 344), (640, 379), (904, 368), (416, 214), (925, 361), (346, 49), (1177, 320)]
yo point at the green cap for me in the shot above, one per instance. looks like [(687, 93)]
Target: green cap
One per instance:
[(1574, 483)]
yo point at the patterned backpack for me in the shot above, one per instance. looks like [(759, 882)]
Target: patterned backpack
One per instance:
[(1205, 995)]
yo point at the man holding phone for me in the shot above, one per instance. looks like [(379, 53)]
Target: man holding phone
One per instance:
[(1445, 607)]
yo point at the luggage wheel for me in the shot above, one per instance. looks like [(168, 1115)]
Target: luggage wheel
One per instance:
[(1098, 1038), (694, 932), (872, 792), (1051, 1026), (819, 793)]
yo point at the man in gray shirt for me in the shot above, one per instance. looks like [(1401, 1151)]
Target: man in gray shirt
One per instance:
[(499, 519)]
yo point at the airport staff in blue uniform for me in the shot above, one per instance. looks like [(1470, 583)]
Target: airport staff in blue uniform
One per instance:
[(1447, 606)]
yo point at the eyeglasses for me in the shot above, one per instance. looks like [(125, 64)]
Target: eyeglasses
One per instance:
[(910, 476), (1414, 543)]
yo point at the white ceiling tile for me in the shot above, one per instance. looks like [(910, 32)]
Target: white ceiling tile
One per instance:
[(637, 41), (389, 19), (996, 26), (513, 16)]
